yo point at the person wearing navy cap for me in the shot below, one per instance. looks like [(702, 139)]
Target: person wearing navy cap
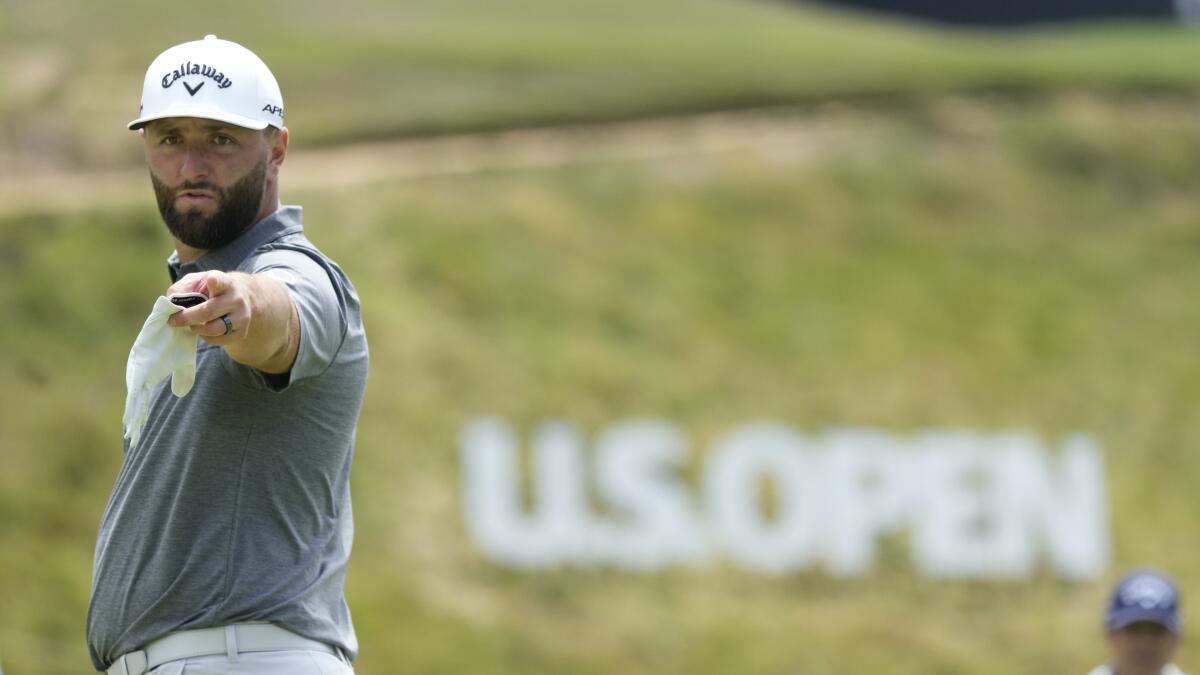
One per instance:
[(1143, 625)]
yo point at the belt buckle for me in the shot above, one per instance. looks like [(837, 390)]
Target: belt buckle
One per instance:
[(133, 663)]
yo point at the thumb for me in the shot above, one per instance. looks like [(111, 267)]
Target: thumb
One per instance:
[(214, 284)]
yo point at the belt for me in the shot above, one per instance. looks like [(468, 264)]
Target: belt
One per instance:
[(230, 640)]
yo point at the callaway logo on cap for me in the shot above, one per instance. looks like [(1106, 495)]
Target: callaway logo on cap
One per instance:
[(214, 79)]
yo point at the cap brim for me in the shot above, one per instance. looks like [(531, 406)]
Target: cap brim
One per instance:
[(202, 112), (1128, 617)]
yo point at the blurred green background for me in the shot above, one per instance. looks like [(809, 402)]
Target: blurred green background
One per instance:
[(902, 228)]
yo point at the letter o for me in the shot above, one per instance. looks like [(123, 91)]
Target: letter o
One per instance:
[(735, 466)]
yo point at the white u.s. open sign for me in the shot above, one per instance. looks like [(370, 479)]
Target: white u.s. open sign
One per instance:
[(973, 505)]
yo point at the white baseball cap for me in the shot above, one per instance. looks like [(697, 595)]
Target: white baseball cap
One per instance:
[(214, 79)]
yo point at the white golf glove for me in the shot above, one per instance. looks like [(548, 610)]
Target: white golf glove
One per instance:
[(159, 350)]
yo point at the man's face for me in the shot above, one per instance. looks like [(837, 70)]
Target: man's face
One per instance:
[(1142, 648), (209, 177)]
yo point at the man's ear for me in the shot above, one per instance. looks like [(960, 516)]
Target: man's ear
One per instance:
[(279, 146)]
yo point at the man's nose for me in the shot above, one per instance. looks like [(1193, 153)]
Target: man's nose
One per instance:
[(195, 163)]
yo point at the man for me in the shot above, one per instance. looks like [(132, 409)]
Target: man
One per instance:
[(1143, 626), (224, 545)]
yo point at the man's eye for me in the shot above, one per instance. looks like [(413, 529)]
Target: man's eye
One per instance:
[(169, 140), (223, 140)]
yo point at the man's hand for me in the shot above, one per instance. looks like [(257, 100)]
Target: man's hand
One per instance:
[(265, 326)]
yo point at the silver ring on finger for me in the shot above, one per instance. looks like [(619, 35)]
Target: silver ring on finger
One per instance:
[(228, 325)]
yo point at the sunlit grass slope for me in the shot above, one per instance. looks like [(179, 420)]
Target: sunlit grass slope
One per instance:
[(984, 263)]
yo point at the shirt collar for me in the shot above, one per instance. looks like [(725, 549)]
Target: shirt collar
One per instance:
[(283, 222)]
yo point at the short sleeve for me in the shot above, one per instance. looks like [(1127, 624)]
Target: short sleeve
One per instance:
[(322, 316)]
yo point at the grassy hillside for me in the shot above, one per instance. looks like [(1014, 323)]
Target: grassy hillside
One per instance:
[(70, 71), (987, 264)]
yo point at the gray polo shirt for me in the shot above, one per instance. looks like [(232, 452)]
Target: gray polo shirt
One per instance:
[(235, 506)]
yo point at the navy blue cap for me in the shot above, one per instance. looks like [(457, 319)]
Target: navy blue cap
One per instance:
[(1144, 595)]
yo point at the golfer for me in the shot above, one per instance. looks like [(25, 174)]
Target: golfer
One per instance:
[(1142, 623), (223, 547)]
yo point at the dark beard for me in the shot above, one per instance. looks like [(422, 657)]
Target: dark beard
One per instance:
[(237, 207)]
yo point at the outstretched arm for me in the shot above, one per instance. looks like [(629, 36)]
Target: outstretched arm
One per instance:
[(266, 326)]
